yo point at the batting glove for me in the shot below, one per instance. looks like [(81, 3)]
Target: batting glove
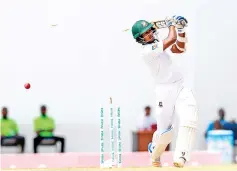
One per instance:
[(181, 23)]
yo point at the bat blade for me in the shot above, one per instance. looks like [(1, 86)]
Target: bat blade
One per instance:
[(126, 30)]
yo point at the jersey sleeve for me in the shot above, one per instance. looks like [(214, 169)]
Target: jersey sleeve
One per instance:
[(52, 123), (36, 124), (153, 50), (15, 126)]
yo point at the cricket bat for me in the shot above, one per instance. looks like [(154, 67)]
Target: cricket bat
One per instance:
[(160, 24)]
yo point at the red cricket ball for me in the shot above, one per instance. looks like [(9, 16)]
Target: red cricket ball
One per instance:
[(27, 85)]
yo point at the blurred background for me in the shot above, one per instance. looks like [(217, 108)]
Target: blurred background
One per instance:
[(75, 55)]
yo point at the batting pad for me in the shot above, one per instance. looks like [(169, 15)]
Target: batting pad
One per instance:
[(188, 113), (186, 134), (161, 143), (184, 142)]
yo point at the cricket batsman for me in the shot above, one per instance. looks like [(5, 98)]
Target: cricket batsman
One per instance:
[(171, 95)]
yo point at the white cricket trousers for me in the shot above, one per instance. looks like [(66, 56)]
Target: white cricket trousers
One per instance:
[(172, 99)]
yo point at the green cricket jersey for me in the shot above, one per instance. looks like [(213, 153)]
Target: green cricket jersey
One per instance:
[(8, 127), (44, 124)]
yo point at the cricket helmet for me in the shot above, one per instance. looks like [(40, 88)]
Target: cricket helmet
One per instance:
[(139, 28)]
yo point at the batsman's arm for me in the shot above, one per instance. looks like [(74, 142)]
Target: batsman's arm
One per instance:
[(179, 46), (171, 39)]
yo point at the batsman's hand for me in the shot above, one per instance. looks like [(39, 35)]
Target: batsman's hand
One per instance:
[(170, 22), (180, 23)]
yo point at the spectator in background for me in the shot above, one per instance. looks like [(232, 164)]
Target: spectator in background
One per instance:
[(217, 125), (231, 125), (44, 127), (221, 113), (9, 130), (147, 122), (221, 121)]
